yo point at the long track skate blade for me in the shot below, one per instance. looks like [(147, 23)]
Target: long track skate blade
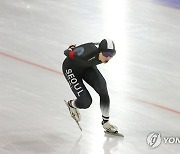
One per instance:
[(66, 103), (73, 118), (79, 125), (114, 133)]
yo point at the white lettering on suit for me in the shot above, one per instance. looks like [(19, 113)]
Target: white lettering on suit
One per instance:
[(73, 82)]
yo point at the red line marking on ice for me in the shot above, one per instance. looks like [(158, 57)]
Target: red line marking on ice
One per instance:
[(159, 106), (60, 73), (30, 63)]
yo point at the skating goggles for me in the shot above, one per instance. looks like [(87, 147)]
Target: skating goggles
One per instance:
[(108, 54)]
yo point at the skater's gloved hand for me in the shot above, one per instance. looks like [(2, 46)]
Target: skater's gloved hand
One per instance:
[(71, 47), (69, 52)]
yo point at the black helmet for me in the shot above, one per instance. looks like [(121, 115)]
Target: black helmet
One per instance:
[(107, 45)]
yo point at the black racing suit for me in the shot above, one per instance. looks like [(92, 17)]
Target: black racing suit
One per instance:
[(80, 64)]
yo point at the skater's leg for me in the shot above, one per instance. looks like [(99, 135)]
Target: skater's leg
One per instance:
[(95, 79), (74, 79)]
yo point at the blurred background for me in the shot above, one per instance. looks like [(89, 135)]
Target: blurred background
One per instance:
[(143, 78)]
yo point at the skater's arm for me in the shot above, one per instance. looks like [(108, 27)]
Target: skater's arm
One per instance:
[(68, 51), (81, 52), (74, 53)]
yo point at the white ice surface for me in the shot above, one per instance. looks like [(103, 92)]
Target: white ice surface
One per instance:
[(143, 78)]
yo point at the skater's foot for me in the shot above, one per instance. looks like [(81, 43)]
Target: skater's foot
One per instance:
[(109, 127), (73, 111)]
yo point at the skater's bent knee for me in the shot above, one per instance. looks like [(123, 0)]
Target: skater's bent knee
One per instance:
[(86, 104), (83, 104)]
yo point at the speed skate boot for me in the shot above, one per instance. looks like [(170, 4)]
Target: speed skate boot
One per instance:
[(73, 111), (109, 127)]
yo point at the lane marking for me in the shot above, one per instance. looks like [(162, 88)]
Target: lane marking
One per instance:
[(60, 73), (159, 106), (30, 63)]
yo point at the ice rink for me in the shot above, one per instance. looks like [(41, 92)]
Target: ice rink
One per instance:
[(143, 78)]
